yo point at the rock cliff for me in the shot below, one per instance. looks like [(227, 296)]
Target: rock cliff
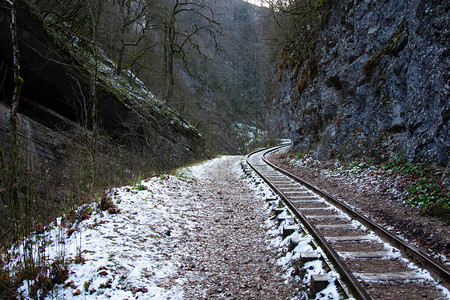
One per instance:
[(56, 99), (378, 86)]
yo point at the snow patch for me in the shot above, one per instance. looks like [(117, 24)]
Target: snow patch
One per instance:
[(128, 255)]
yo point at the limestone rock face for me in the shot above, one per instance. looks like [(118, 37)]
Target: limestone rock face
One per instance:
[(382, 85)]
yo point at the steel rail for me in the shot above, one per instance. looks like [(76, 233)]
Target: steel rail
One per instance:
[(419, 257), (346, 274)]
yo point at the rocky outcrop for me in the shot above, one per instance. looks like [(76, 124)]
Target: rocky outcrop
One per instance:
[(381, 86), (57, 95)]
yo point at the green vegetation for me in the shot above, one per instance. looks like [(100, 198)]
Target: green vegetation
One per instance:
[(138, 184), (421, 186), (392, 47), (184, 172), (426, 189), (300, 156)]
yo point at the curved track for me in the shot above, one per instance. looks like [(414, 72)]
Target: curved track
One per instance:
[(370, 260)]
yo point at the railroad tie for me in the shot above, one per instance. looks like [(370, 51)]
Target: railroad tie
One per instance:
[(309, 256), (367, 254), (305, 200), (348, 238), (335, 226), (320, 282), (288, 230), (322, 217), (316, 208), (393, 276), (287, 186), (297, 193)]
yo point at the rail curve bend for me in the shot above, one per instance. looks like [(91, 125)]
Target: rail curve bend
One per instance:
[(371, 262)]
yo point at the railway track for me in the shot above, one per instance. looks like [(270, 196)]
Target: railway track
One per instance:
[(372, 263)]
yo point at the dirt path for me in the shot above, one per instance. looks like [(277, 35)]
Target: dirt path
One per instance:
[(203, 234), (226, 255)]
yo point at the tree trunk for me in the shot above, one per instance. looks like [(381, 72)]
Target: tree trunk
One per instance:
[(95, 18), (122, 35), (170, 78), (18, 81), (169, 52)]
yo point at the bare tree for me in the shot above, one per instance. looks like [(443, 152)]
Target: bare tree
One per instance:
[(13, 185), (95, 10), (134, 23), (69, 16), (177, 36)]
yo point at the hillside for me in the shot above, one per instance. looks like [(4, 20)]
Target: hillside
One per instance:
[(57, 91), (80, 126)]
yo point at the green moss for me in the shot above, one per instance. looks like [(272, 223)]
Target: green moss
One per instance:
[(311, 17), (18, 81), (392, 47)]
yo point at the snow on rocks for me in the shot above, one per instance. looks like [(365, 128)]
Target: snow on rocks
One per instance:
[(290, 259)]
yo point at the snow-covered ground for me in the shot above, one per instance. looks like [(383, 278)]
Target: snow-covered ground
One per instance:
[(131, 254), (136, 253), (125, 255)]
